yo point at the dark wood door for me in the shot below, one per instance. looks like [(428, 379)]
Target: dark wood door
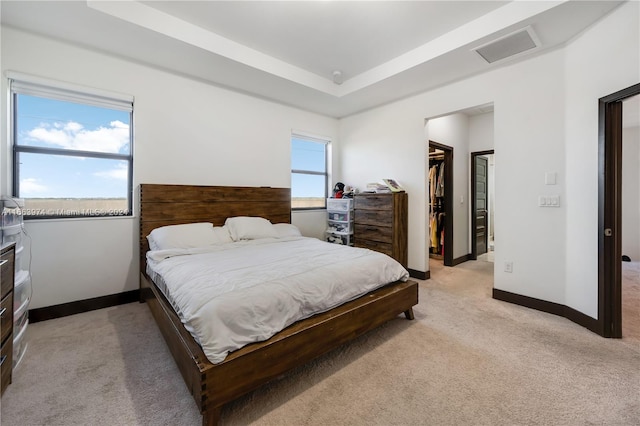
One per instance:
[(481, 196), (610, 212)]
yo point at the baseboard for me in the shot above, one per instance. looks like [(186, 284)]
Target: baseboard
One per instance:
[(461, 259), (548, 307), (419, 274), (584, 320), (80, 306)]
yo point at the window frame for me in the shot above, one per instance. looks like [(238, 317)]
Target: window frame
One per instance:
[(327, 143), (33, 86)]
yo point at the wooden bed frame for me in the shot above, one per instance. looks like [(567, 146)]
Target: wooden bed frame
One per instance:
[(213, 385)]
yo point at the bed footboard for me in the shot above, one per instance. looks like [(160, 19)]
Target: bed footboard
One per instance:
[(306, 340), (213, 385), (188, 355)]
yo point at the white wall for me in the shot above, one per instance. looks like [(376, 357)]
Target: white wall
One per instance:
[(381, 145), (536, 249), (481, 139), (453, 130), (631, 192), (186, 132), (481, 132), (491, 179), (604, 60), (545, 120)]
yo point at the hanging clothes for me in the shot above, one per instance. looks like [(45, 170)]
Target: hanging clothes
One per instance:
[(433, 174), (440, 184), (433, 226), (436, 207)]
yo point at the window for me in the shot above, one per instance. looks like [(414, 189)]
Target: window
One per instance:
[(309, 174), (72, 152)]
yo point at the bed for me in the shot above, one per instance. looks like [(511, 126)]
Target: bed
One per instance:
[(245, 369)]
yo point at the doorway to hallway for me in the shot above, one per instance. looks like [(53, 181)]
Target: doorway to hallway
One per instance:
[(482, 205)]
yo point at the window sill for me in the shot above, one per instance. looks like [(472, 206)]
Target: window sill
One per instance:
[(81, 218)]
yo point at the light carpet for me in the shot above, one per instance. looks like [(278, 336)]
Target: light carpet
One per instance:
[(465, 360), (631, 300)]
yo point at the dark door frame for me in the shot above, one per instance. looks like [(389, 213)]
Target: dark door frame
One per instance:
[(610, 211), (474, 249), (448, 201)]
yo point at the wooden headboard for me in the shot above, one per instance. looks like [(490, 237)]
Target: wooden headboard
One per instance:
[(162, 205)]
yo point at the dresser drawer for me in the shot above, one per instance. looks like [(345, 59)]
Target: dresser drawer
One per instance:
[(7, 271), (382, 234), (374, 202), (372, 217), (6, 319), (6, 361), (385, 248), (381, 224)]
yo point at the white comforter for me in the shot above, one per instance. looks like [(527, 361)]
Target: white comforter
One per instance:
[(230, 295)]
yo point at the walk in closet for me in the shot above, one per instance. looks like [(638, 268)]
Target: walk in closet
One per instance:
[(437, 213), (440, 203)]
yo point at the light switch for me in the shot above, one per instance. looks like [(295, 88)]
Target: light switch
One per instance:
[(542, 200), (508, 266), (550, 178)]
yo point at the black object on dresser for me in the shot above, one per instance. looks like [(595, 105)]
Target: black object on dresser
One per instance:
[(381, 223), (7, 275)]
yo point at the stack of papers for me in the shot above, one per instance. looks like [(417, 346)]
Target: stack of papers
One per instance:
[(377, 187), (387, 185)]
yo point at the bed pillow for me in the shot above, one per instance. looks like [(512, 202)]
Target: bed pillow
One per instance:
[(189, 235), (250, 228), (152, 243), (286, 230), (222, 234)]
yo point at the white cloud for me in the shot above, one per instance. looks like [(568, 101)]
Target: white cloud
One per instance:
[(72, 135), (120, 172), (30, 187)]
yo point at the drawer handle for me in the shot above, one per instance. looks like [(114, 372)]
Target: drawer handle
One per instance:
[(2, 359), (3, 311), (2, 262)]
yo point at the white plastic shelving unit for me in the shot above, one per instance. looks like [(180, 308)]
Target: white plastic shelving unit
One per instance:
[(340, 221), (11, 230)]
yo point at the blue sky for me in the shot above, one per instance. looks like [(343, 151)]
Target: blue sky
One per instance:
[(310, 156), (65, 125)]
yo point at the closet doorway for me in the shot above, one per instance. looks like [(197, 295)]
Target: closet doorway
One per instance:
[(440, 236), (482, 206), (610, 130)]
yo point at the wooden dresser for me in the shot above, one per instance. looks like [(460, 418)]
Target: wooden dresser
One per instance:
[(381, 224), (7, 274)]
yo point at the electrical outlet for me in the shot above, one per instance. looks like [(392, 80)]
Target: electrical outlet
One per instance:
[(508, 266)]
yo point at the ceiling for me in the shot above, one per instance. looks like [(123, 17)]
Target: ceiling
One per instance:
[(288, 51)]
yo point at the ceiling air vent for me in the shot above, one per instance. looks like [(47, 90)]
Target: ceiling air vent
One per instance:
[(510, 45)]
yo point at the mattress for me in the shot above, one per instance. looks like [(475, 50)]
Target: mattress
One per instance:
[(230, 295)]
